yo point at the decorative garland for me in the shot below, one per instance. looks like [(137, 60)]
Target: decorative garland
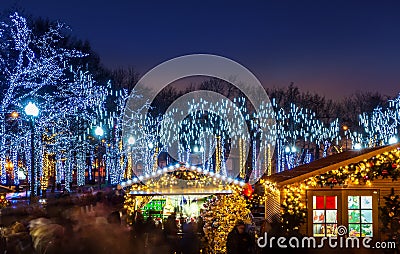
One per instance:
[(384, 165), (186, 175)]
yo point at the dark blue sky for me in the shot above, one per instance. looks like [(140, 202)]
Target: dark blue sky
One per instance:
[(331, 47)]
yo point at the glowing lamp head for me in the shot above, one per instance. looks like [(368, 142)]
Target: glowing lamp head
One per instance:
[(150, 145), (131, 140), (393, 140), (9, 165), (287, 149), (99, 131), (294, 149), (195, 149), (31, 109), (357, 146), (14, 114)]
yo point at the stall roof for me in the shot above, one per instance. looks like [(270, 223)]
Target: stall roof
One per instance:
[(174, 193), (326, 164), (4, 189)]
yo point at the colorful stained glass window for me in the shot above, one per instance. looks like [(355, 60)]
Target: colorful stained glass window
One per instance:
[(360, 216)]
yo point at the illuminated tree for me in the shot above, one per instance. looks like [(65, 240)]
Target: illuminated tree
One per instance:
[(220, 214), (36, 67), (382, 125)]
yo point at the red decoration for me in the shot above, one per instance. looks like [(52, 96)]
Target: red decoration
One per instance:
[(385, 172), (248, 190), (394, 165), (334, 181), (319, 202), (330, 202)]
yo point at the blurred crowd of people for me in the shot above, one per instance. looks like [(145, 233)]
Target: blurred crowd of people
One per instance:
[(184, 236), (172, 235)]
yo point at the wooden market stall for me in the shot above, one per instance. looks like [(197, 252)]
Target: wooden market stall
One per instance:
[(345, 189)]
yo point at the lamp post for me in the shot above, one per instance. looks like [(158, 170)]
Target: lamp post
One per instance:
[(345, 128), (9, 167), (32, 111), (99, 133), (131, 142)]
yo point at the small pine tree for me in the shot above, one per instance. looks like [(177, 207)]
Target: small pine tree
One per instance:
[(390, 215)]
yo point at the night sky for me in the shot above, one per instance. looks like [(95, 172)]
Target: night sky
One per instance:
[(330, 47)]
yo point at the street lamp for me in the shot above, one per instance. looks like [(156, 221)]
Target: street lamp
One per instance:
[(14, 114), (131, 140), (99, 132), (357, 146), (393, 140), (32, 111)]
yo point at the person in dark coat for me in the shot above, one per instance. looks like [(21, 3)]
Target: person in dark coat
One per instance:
[(171, 231), (150, 225), (239, 241), (190, 241)]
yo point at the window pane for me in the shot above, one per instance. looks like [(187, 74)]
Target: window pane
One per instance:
[(366, 216), (366, 229), (319, 216), (354, 216), (331, 216), (331, 202), (319, 230), (354, 229), (331, 229), (353, 202), (366, 202), (318, 202), (314, 202)]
